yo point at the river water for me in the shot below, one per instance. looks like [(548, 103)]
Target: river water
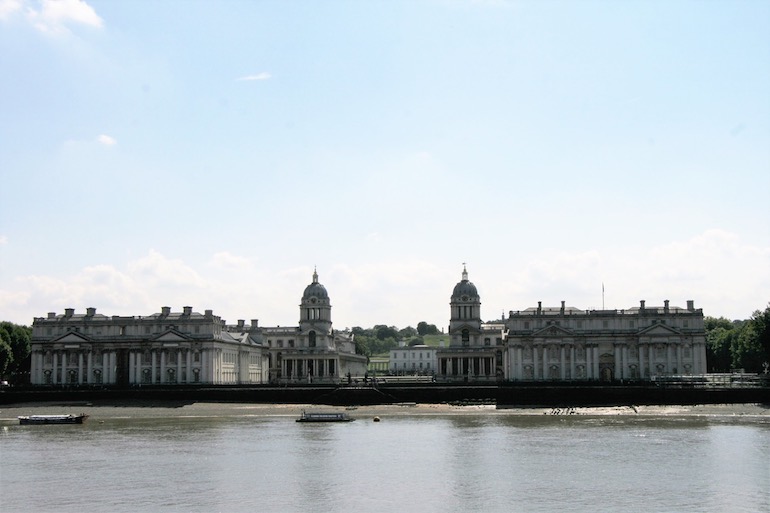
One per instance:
[(162, 460)]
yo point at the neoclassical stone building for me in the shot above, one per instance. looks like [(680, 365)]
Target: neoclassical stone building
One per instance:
[(163, 348), (640, 343), (568, 344), (476, 349), (312, 352)]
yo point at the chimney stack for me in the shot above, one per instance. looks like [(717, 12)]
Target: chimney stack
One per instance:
[(69, 312), (187, 310), (690, 305), (165, 310), (90, 312)]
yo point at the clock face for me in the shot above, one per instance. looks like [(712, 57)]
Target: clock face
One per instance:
[(465, 298), (313, 300)]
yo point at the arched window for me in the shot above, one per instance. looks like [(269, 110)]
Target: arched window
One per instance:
[(466, 337), (311, 339)]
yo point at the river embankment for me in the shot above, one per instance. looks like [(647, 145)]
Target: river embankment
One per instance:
[(105, 410)]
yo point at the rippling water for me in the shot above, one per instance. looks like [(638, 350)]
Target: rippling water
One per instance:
[(490, 463)]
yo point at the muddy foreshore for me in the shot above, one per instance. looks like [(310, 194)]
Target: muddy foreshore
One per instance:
[(168, 409)]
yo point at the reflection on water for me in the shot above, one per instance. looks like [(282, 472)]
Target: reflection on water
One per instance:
[(412, 463)]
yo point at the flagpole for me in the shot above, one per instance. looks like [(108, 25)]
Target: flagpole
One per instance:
[(602, 295)]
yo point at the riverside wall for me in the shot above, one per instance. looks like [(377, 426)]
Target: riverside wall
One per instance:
[(503, 395)]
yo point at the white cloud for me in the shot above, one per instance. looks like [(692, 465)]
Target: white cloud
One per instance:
[(53, 16), (226, 260), (8, 7), (3, 240), (106, 140), (259, 76), (723, 274)]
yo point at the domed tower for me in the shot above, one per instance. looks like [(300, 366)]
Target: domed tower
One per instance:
[(465, 307), (315, 311)]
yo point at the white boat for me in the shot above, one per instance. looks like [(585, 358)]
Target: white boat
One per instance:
[(53, 419)]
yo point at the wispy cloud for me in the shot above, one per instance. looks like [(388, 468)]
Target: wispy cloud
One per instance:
[(3, 240), (259, 76), (106, 140)]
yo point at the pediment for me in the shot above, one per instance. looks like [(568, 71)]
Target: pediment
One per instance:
[(553, 331), (72, 337), (171, 336), (659, 329)]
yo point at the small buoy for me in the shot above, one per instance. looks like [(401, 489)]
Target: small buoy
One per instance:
[(376, 419)]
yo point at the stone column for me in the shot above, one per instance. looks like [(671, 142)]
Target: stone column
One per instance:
[(162, 366), (651, 350), (55, 361), (179, 366), (535, 365), (618, 373), (596, 361), (64, 376), (572, 366), (189, 373), (80, 368), (519, 363), (589, 365), (626, 366), (131, 367), (669, 366), (90, 370), (679, 358), (545, 362), (154, 366), (562, 364)]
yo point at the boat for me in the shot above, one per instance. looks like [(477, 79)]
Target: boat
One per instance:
[(325, 417), (53, 419)]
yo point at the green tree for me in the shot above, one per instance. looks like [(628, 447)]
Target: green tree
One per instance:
[(423, 328), (751, 349), (15, 346), (382, 332)]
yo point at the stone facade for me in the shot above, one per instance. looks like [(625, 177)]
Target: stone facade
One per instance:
[(165, 348), (417, 359), (476, 349), (313, 352), (568, 344), (641, 343)]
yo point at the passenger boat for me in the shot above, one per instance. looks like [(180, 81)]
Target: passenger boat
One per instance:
[(53, 419), (324, 417)]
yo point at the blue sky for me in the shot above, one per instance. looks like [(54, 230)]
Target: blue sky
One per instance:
[(211, 154)]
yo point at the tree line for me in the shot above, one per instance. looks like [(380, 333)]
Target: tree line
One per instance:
[(15, 345), (382, 338), (743, 344)]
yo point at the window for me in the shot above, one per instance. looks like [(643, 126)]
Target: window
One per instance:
[(605, 324), (526, 325), (487, 341), (146, 330), (466, 337), (580, 324)]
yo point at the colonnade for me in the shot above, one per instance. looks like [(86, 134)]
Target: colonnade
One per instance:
[(476, 366), (304, 368), (163, 369), (82, 365), (644, 364)]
